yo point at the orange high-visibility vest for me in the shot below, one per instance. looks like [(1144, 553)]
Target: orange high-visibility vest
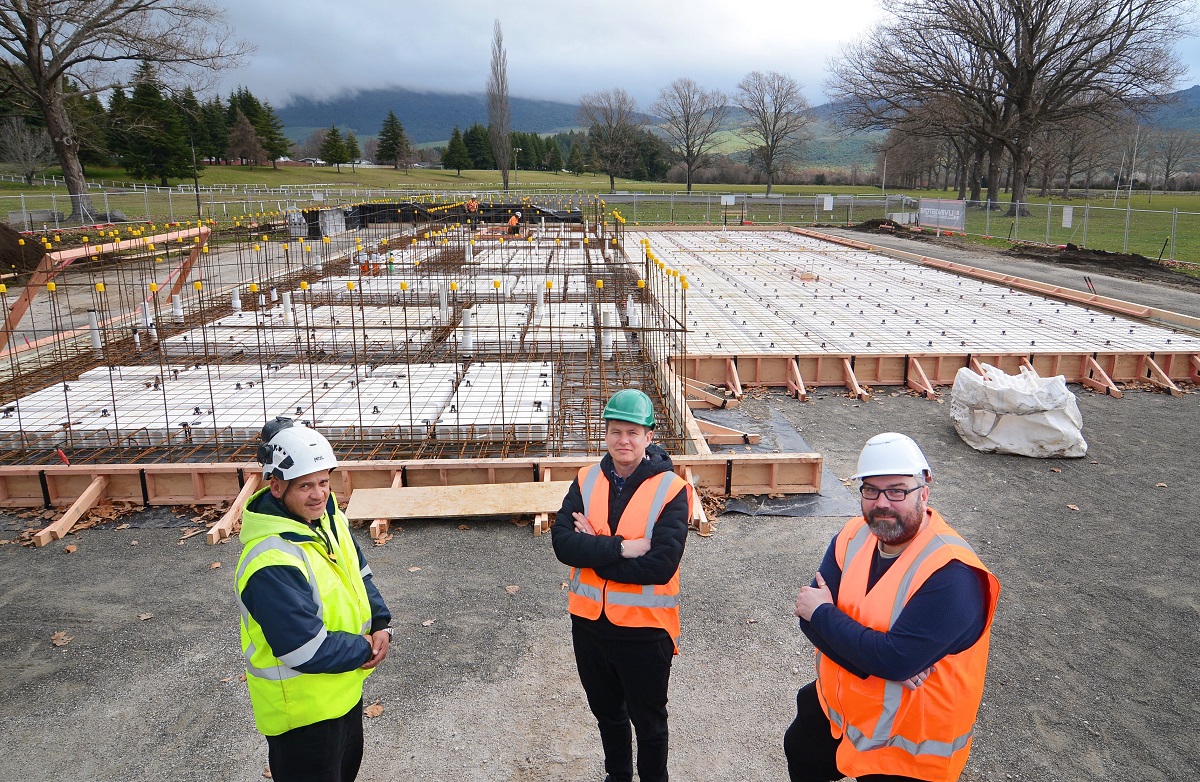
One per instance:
[(886, 729), (628, 605), (512, 221)]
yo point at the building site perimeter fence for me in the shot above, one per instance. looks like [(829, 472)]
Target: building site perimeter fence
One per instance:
[(1172, 235), (1168, 235)]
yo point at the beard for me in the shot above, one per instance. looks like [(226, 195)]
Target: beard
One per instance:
[(893, 527)]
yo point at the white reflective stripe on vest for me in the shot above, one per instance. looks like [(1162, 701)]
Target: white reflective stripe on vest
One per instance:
[(644, 599), (585, 590), (275, 543), (589, 485), (306, 652), (656, 504), (893, 692)]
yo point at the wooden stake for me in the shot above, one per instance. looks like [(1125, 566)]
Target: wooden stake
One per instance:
[(379, 527), (223, 529), (1159, 378), (715, 434), (795, 382), (852, 382), (918, 381), (87, 500), (1098, 378), (731, 378)]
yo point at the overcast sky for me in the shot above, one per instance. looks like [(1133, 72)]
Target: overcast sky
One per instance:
[(556, 50)]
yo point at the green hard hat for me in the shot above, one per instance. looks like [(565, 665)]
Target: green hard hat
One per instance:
[(630, 405)]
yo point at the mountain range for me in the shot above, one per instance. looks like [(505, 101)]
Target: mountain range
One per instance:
[(429, 117)]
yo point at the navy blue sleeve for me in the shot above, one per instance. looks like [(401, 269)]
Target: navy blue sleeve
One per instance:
[(280, 600), (833, 580), (658, 564), (381, 616), (945, 616), (578, 549)]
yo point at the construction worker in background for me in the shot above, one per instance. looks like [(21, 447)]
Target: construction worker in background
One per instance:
[(622, 528), (514, 227), (313, 624), (900, 613), (472, 210)]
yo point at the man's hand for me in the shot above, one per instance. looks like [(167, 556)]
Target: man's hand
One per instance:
[(811, 597), (919, 679), (632, 549), (582, 524), (379, 641)]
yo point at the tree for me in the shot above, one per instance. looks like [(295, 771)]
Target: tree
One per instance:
[(456, 155), (310, 147), (1012, 67), (333, 148), (1177, 151), (244, 143), (692, 118), (612, 120), (353, 152), (48, 44), (499, 112), (270, 130), (213, 141), (777, 120), (156, 143), (575, 159), (393, 143), (554, 160), (25, 147), (479, 148)]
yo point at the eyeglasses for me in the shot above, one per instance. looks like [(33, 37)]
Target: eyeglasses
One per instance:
[(869, 492)]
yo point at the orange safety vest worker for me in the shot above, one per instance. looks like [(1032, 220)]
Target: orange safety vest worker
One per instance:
[(885, 728), (628, 605)]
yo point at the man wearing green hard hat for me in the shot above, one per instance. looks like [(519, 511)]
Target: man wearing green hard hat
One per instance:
[(622, 529)]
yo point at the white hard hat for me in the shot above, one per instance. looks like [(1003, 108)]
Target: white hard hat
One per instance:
[(892, 453), (518, 214), (289, 451)]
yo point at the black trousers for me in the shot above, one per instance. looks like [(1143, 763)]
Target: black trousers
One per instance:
[(326, 751), (626, 682), (811, 749)]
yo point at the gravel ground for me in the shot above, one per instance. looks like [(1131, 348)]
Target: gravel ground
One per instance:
[(1091, 674)]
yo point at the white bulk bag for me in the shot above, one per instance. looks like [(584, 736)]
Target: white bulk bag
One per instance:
[(1025, 414)]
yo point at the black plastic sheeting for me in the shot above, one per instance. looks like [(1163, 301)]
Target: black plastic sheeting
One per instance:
[(779, 436)]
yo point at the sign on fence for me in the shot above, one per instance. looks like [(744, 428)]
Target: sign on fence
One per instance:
[(1068, 216), (943, 213)]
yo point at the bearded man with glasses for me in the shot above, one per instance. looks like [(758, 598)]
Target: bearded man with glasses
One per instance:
[(900, 613)]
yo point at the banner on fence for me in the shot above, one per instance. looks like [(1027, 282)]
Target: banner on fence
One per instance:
[(943, 213)]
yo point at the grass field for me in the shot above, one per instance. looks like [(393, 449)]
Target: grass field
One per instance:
[(1166, 224)]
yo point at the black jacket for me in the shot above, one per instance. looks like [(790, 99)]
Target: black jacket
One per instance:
[(602, 553)]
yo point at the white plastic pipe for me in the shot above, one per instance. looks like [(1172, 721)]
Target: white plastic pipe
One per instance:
[(274, 294), (177, 306), (289, 315), (94, 329), (144, 312), (607, 338), (468, 329), (443, 304), (235, 299)]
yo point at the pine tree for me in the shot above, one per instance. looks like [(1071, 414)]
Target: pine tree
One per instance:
[(333, 148), (156, 139), (244, 143), (353, 152), (390, 134), (456, 155), (479, 147), (215, 136), (554, 161), (116, 127), (575, 160), (270, 130)]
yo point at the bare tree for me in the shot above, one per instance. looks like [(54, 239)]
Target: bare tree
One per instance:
[(498, 111), (777, 119), (25, 147), (92, 42), (1178, 150), (692, 118), (311, 145), (613, 123), (244, 141), (1014, 65)]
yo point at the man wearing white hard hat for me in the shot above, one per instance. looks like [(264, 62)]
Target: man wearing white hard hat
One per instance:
[(900, 613), (313, 624)]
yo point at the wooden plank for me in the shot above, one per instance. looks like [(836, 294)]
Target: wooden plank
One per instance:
[(1159, 378), (542, 521), (852, 382), (379, 527), (435, 502), (223, 529), (715, 434), (732, 381), (1194, 365), (795, 381), (1095, 377), (699, 520), (700, 396), (917, 379), (87, 500)]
